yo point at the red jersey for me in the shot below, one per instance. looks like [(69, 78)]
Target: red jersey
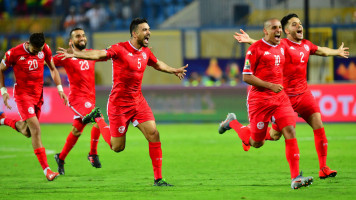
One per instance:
[(295, 68), (129, 65), (81, 75), (265, 61), (28, 70)]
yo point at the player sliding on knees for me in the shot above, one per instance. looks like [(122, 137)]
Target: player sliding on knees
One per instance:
[(295, 84), (126, 103), (28, 60)]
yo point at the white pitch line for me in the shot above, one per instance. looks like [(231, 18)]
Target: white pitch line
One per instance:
[(27, 152)]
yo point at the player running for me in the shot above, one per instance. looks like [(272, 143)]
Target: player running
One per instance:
[(81, 75), (263, 70), (295, 83), (28, 60), (126, 102)]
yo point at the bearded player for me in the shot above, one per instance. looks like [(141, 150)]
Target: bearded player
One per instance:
[(81, 75)]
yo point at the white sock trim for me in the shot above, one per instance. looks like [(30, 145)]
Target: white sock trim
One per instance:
[(45, 171)]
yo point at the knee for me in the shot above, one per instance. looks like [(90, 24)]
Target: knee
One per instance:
[(153, 136), (257, 144), (76, 133), (118, 148), (276, 135)]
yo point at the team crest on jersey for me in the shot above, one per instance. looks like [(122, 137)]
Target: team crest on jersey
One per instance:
[(40, 55), (87, 104), (249, 53), (260, 125), (144, 55), (306, 47), (121, 129), (31, 110), (247, 64), (282, 51)]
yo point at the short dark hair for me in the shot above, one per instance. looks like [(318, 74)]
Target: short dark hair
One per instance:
[(74, 29), (286, 18), (135, 22), (37, 40)]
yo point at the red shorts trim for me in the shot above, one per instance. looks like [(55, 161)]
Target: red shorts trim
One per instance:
[(120, 117), (305, 104)]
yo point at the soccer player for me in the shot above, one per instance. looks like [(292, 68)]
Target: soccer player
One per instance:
[(263, 70), (295, 82), (81, 75), (28, 60), (126, 102)]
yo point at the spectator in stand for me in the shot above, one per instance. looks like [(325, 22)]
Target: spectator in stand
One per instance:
[(97, 17)]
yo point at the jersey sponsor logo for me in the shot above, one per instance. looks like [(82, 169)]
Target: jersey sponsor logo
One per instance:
[(121, 129), (74, 59), (249, 53), (247, 64), (40, 55), (266, 53), (22, 58), (306, 47), (130, 54), (8, 53), (282, 51), (87, 104), (31, 110), (260, 125), (292, 48), (144, 55)]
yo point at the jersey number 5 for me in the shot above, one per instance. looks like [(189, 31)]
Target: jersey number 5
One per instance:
[(32, 65), (84, 65)]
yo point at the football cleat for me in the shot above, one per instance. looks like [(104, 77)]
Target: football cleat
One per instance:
[(246, 147), (51, 175), (301, 181), (161, 182), (326, 172), (91, 116), (60, 164), (94, 161), (224, 125)]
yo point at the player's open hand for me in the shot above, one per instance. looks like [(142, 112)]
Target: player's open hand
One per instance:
[(6, 97), (181, 72), (64, 97), (276, 88), (242, 37), (65, 53), (343, 51)]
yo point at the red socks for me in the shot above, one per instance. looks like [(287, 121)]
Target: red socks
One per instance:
[(11, 123), (70, 142), (292, 154), (41, 156), (243, 131), (105, 130), (321, 145), (95, 134), (155, 151)]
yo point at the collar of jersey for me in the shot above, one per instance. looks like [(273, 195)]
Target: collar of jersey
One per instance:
[(269, 43), (133, 46), (24, 47), (295, 42)]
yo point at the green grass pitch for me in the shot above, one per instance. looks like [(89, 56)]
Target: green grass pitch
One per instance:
[(200, 163)]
